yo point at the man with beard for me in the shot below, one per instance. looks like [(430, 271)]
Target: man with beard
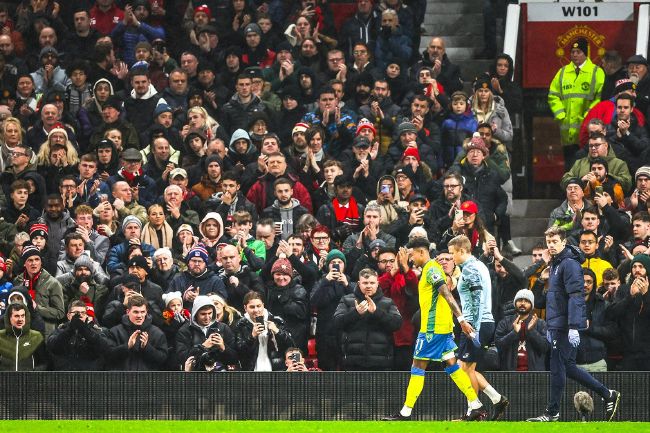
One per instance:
[(59, 223), (443, 209), (508, 279), (50, 75), (112, 119), (589, 246), (285, 210), (197, 279), (566, 316), (521, 336), (599, 178), (136, 344), (342, 214), (637, 70), (74, 249), (632, 318), (362, 161), (628, 138), (141, 103), (80, 285)]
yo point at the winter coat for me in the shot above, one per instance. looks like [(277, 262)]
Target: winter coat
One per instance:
[(483, 187), (261, 193), (616, 168), (601, 330), (18, 348), (571, 96), (565, 299), (507, 343), (449, 76), (190, 339), (139, 110), (49, 299), (455, 130), (237, 115), (77, 349), (605, 111), (115, 308), (287, 216), (292, 304), (403, 290), (325, 298), (207, 282), (150, 358), (116, 259), (632, 315), (248, 347), (395, 47), (367, 340), (248, 281), (497, 114)]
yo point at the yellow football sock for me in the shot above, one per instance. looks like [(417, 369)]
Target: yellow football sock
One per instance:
[(462, 381), (416, 383)]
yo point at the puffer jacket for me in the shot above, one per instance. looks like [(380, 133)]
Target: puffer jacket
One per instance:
[(49, 298), (367, 340), (292, 304), (77, 349), (632, 315), (565, 299), (325, 297), (601, 330), (18, 347), (497, 115), (150, 358), (207, 282), (507, 343), (248, 347)]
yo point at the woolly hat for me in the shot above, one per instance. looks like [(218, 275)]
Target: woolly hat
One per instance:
[(483, 81), (58, 127), (644, 259), (114, 101), (83, 260), (205, 9), (131, 219), (335, 254), (300, 127), (405, 127), (365, 123), (581, 44), (38, 230), (377, 243), (524, 294), (253, 28), (195, 132), (361, 141), (411, 151), (184, 227), (168, 297), (28, 251), (198, 251), (477, 143), (210, 159), (282, 266), (140, 262), (624, 84), (642, 171), (162, 108)]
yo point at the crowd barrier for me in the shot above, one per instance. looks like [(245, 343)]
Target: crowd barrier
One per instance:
[(284, 396)]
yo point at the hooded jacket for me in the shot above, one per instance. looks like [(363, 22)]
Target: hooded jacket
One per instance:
[(565, 299), (139, 109), (288, 216), (150, 358), (18, 347), (617, 168), (510, 89), (367, 340), (207, 282), (292, 304), (49, 299), (191, 336), (235, 157)]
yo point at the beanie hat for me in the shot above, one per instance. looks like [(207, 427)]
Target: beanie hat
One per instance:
[(644, 259), (38, 230), (58, 127), (205, 9), (477, 143), (581, 44), (253, 28), (483, 81), (164, 251), (184, 227), (168, 297), (525, 294), (365, 123), (624, 84), (198, 251), (162, 108), (28, 251), (335, 254), (140, 262), (642, 171), (131, 219), (213, 158), (114, 101), (83, 260), (411, 151), (377, 243), (405, 127), (282, 266), (300, 127)]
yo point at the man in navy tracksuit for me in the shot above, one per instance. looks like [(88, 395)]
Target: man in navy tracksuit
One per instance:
[(565, 316)]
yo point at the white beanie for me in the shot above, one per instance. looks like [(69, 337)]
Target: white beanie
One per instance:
[(524, 294)]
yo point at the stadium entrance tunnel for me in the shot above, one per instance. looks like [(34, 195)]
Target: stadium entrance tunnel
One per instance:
[(285, 396)]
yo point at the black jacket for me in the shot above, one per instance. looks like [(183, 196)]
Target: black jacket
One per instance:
[(601, 330), (150, 358), (632, 315), (190, 339), (77, 347), (325, 297), (248, 347), (507, 342), (367, 340), (248, 281), (292, 304)]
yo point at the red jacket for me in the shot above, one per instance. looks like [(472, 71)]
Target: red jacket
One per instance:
[(604, 111), (105, 22), (395, 288), (263, 189)]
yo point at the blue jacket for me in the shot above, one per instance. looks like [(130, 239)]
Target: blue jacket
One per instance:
[(565, 299), (117, 256), (457, 127)]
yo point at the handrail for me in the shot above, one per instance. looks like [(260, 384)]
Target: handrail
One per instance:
[(512, 32), (643, 29)]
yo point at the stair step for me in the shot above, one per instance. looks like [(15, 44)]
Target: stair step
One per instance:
[(471, 68), (462, 53), (452, 7), (523, 261), (536, 208), (448, 24), (527, 243), (526, 226)]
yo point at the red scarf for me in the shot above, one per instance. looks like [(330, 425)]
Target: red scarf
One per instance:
[(347, 214), (131, 178), (30, 284)]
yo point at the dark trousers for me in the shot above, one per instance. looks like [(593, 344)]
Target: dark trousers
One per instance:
[(328, 351), (563, 365)]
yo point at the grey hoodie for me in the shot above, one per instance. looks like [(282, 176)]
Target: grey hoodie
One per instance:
[(238, 135), (286, 216), (200, 302)]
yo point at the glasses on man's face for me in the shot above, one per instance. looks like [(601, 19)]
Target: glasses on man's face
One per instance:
[(68, 186), (594, 145), (587, 242), (321, 238), (383, 262), (17, 154), (451, 186)]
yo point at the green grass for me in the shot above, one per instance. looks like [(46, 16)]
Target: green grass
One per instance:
[(313, 427)]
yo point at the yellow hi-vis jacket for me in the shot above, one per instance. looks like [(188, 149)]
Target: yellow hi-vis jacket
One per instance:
[(570, 97)]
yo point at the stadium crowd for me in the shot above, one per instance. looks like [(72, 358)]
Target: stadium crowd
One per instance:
[(233, 185)]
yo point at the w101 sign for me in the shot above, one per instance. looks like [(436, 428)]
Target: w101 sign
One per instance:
[(551, 28)]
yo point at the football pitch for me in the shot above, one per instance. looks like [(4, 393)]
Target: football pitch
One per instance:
[(314, 427)]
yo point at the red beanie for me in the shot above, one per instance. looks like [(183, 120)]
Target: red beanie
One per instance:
[(411, 151), (205, 9)]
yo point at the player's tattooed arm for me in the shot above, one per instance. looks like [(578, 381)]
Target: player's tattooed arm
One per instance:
[(446, 293)]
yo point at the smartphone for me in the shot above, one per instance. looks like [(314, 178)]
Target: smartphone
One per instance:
[(295, 357), (385, 189), (336, 267), (458, 214), (599, 190), (260, 320)]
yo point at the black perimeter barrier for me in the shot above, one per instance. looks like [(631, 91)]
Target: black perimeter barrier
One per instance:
[(286, 396)]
